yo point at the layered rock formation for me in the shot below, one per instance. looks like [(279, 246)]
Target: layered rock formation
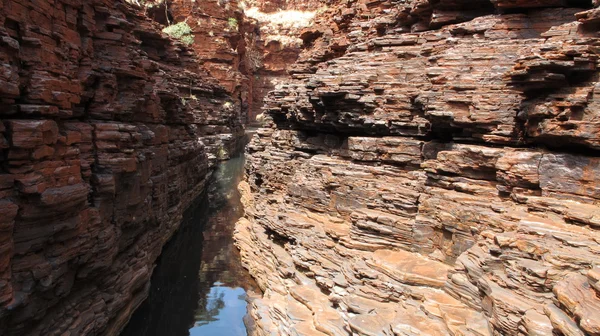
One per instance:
[(216, 30), (276, 44), (431, 168), (218, 38), (108, 132)]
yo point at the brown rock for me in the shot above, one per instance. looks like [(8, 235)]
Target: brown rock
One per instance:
[(577, 296), (108, 132), (430, 167)]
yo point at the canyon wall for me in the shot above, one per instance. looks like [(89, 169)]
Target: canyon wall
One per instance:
[(108, 132), (246, 45), (431, 168), (275, 44), (220, 36)]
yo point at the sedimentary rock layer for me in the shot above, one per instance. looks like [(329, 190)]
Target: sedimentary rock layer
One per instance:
[(108, 130), (276, 44), (219, 39), (430, 174)]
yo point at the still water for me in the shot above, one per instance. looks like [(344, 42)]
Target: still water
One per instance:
[(199, 286)]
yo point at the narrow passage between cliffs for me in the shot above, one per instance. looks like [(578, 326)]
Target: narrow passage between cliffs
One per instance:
[(199, 286)]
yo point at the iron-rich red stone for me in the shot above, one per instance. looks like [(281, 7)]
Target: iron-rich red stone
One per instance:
[(108, 129), (430, 168)]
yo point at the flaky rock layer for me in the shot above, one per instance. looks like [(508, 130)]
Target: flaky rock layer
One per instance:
[(431, 168), (108, 130)]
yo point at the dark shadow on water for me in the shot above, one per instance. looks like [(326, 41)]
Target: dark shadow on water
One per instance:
[(199, 286)]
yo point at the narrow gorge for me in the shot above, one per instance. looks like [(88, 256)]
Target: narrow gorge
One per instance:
[(412, 167)]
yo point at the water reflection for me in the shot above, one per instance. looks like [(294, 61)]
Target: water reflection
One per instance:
[(224, 313), (199, 286)]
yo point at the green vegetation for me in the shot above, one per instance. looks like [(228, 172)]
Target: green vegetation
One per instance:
[(233, 23), (221, 153), (181, 31)]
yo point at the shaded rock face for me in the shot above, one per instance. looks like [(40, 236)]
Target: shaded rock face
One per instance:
[(275, 44), (238, 43), (222, 37), (219, 33), (431, 168), (220, 42), (108, 131)]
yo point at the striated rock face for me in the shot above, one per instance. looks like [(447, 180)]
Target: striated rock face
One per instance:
[(276, 44), (107, 133), (218, 38), (431, 168), (219, 42), (217, 33)]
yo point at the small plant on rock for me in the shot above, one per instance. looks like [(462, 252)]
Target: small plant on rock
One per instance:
[(181, 31), (233, 23), (221, 153)]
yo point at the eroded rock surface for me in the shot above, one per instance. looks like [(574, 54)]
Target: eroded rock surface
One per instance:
[(431, 168), (276, 44), (108, 130)]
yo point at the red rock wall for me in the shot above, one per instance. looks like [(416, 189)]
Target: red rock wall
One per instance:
[(221, 38), (275, 44), (218, 39), (431, 168), (220, 43), (106, 134)]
